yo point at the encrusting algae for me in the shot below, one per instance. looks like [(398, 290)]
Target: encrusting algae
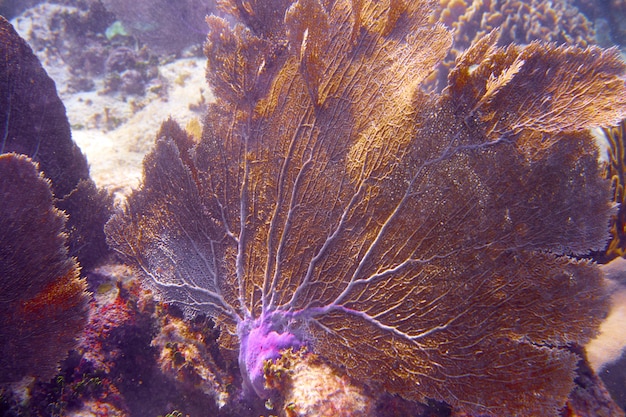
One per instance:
[(311, 388)]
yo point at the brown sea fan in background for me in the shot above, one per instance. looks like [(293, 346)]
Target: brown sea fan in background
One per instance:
[(420, 242), (43, 303), (517, 21), (33, 123)]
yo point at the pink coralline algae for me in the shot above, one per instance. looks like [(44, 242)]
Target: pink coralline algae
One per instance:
[(106, 319)]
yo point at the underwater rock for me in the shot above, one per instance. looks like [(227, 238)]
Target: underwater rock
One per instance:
[(185, 355), (132, 82), (310, 388), (121, 59), (610, 15), (34, 123), (590, 396), (607, 351), (422, 244), (614, 378), (44, 303)]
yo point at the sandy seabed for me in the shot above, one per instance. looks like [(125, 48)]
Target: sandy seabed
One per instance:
[(115, 154)]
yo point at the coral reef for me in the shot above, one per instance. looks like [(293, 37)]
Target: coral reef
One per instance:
[(58, 33), (44, 303), (421, 243), (74, 37), (116, 369), (334, 236), (165, 26), (102, 377), (34, 124), (115, 90), (10, 8), (185, 355), (517, 21)]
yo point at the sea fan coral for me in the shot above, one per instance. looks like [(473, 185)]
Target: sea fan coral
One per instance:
[(420, 242), (517, 21), (33, 123), (43, 303)]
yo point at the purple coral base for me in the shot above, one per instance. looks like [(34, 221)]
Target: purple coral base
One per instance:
[(260, 342)]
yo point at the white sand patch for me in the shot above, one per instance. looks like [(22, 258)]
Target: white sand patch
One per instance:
[(116, 133), (611, 342), (34, 27), (608, 346), (116, 130)]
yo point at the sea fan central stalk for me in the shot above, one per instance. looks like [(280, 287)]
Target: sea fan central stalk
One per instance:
[(261, 340)]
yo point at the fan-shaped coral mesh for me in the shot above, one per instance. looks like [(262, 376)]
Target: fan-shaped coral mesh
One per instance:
[(420, 242)]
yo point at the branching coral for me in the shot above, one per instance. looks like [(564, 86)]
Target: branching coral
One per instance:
[(517, 22), (520, 21), (418, 241)]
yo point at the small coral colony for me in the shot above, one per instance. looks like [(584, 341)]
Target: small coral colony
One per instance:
[(338, 228)]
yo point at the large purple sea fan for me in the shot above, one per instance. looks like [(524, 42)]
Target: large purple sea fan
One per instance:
[(420, 242)]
